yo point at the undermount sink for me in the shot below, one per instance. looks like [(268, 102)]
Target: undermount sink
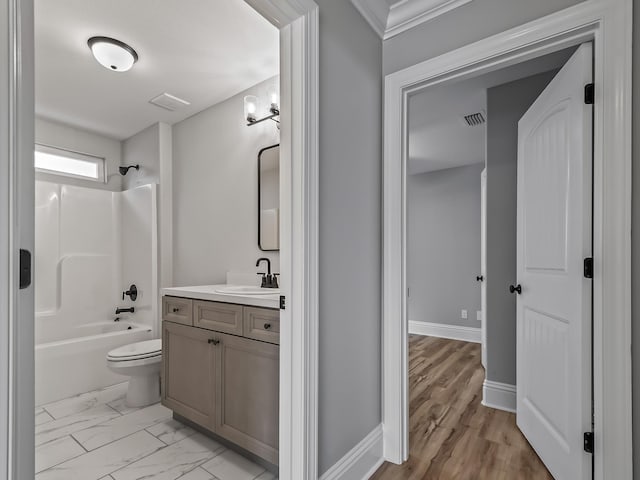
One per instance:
[(247, 290)]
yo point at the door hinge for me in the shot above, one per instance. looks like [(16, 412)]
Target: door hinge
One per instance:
[(282, 302), (588, 442), (25, 268), (588, 267), (589, 93)]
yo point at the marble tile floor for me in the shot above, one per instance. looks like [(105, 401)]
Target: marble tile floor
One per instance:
[(95, 436)]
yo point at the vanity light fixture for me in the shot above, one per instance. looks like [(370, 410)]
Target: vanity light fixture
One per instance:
[(252, 105), (112, 54)]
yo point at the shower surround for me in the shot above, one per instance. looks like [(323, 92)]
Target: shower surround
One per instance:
[(91, 245)]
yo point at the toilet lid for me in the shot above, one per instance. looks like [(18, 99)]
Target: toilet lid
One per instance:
[(134, 351)]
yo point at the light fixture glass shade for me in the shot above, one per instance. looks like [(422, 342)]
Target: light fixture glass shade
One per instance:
[(274, 98), (113, 54), (250, 108)]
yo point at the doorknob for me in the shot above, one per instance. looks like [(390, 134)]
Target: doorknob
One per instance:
[(516, 288), (480, 278)]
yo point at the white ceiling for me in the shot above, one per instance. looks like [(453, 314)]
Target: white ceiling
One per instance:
[(438, 136), (203, 51)]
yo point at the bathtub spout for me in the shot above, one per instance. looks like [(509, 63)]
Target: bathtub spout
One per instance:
[(124, 310)]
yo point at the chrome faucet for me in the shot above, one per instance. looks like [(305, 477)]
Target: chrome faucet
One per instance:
[(269, 280)]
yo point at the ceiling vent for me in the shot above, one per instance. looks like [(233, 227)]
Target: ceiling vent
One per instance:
[(169, 102), (474, 119)]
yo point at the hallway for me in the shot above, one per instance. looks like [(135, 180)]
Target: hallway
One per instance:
[(452, 436)]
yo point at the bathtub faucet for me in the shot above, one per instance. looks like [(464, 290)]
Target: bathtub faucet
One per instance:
[(124, 310)]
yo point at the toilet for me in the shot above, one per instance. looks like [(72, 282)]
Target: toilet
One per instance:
[(141, 363)]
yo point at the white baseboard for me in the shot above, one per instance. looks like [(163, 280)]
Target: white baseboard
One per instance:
[(361, 462), (499, 395), (453, 332)]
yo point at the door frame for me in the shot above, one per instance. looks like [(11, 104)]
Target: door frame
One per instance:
[(297, 21), (608, 23)]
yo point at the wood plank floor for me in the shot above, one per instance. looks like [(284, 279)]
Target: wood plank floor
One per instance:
[(452, 436)]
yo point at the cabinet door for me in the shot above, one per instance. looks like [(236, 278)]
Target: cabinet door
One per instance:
[(222, 317), (247, 395), (188, 372)]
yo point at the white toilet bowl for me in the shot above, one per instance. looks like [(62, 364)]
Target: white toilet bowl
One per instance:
[(141, 363)]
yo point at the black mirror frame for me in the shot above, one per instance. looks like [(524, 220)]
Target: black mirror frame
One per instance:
[(260, 197)]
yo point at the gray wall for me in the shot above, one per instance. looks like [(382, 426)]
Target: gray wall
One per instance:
[(505, 105), (635, 228), (350, 230), (142, 149), (443, 243), (56, 134), (463, 25), (215, 192)]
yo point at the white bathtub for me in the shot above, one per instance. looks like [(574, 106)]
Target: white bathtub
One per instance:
[(66, 368)]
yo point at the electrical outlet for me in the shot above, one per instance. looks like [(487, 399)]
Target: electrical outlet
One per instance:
[(463, 314), (479, 315)]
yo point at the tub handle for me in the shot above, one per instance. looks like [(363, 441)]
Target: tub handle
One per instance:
[(132, 293)]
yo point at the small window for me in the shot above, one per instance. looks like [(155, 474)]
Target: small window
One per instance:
[(69, 164)]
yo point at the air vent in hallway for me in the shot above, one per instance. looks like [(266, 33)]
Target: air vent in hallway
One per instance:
[(474, 119)]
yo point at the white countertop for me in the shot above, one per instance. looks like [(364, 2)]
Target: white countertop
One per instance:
[(208, 292)]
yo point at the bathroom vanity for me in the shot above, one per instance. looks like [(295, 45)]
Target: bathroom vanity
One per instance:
[(220, 364)]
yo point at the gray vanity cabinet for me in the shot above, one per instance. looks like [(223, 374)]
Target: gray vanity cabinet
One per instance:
[(189, 373), (227, 383), (247, 395)]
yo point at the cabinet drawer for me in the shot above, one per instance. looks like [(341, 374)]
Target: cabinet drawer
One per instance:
[(262, 324), (222, 317), (177, 310)]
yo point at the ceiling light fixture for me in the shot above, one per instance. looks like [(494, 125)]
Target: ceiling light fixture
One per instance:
[(112, 54)]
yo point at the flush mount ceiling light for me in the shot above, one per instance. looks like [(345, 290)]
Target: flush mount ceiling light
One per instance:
[(112, 54)]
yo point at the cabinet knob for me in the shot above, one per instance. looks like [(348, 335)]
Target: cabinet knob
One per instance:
[(515, 288), (175, 309), (213, 341), (267, 326)]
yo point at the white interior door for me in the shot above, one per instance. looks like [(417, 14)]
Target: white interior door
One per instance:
[(554, 315), (483, 264)]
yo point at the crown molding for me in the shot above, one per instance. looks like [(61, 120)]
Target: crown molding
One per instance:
[(375, 12), (390, 21)]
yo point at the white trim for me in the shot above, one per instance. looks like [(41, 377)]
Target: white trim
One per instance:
[(499, 395), (17, 213), (298, 23), (608, 23), (406, 15), (375, 12), (361, 461), (388, 21), (7, 317), (452, 332)]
